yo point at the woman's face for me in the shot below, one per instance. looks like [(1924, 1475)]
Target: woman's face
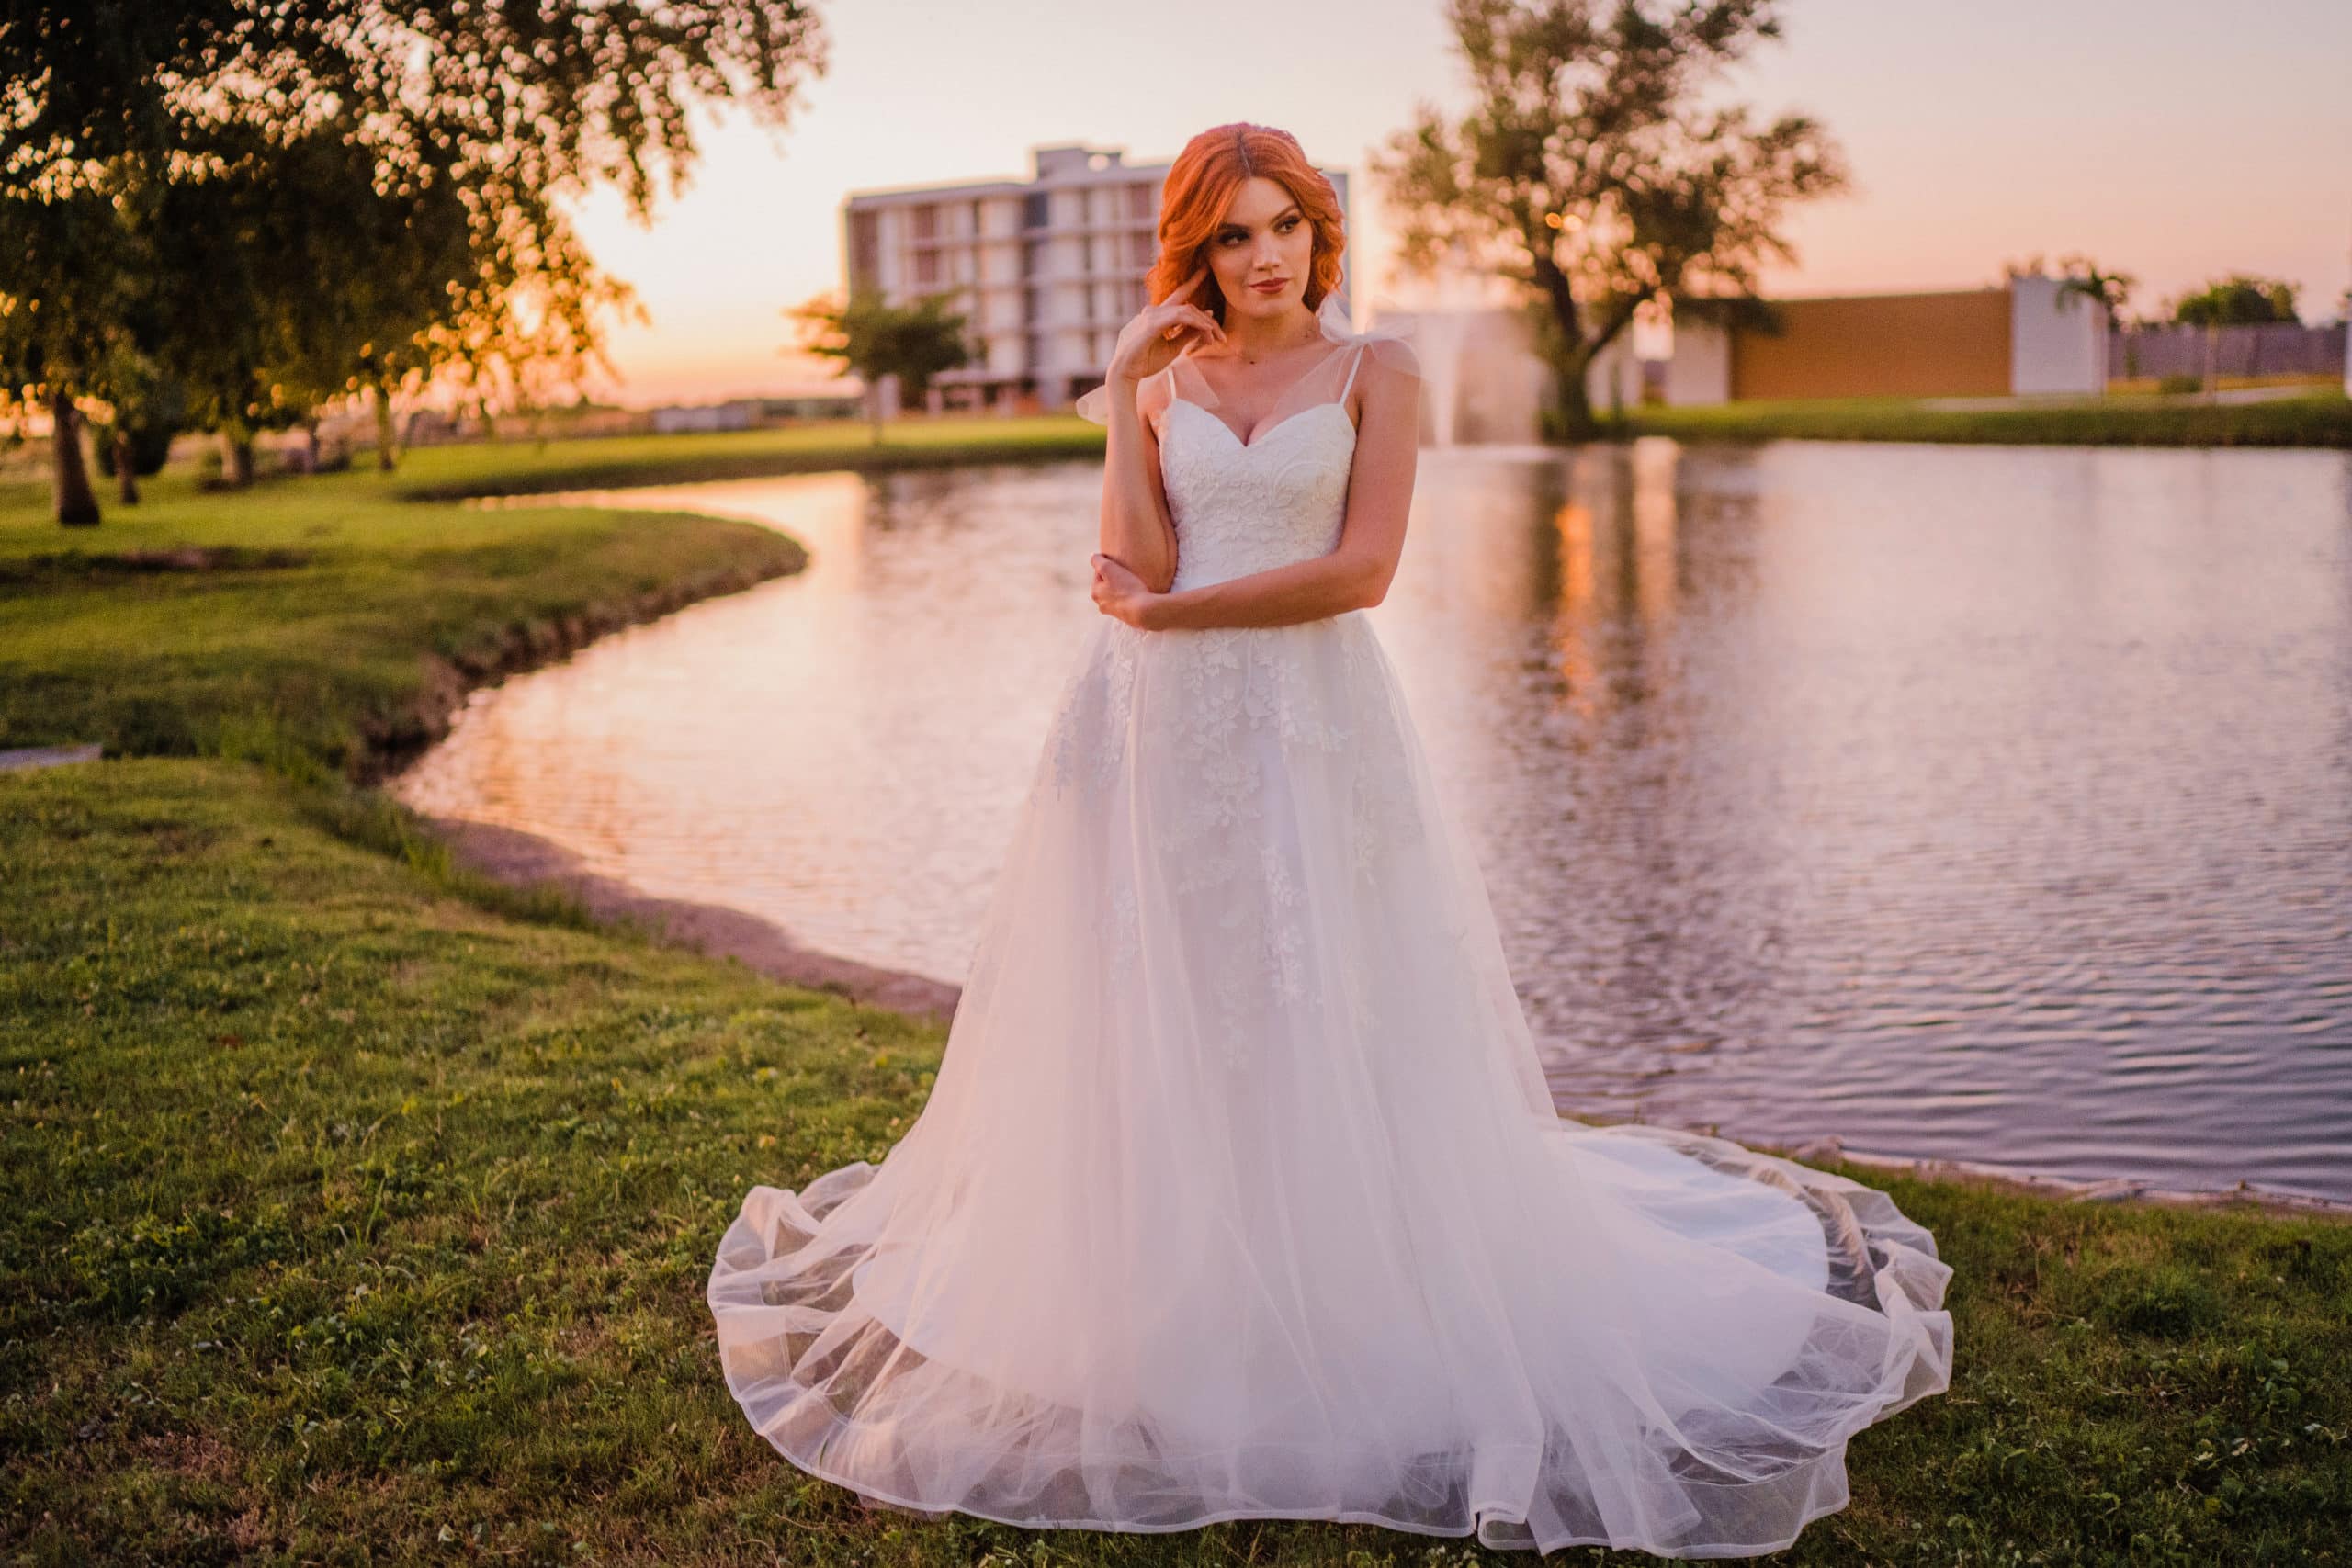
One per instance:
[(1265, 239)]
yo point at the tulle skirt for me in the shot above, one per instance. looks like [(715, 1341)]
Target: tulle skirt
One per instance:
[(1239, 1193)]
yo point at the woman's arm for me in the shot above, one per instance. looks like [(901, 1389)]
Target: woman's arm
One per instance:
[(1355, 576), (1136, 527)]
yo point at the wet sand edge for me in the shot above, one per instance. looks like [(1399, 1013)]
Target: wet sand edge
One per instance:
[(525, 860)]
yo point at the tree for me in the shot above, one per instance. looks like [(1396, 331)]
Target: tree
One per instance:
[(1589, 172), (136, 440), (2237, 300), (873, 338), (2078, 274), (517, 109), (273, 321), (67, 306)]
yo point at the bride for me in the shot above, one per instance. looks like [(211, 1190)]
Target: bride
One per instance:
[(1239, 1193)]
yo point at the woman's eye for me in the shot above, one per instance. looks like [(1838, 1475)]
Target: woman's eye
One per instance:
[(1285, 227)]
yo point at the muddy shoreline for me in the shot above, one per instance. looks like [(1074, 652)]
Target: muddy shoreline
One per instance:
[(389, 742), (523, 859)]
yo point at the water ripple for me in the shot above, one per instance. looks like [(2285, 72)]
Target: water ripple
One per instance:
[(1989, 803)]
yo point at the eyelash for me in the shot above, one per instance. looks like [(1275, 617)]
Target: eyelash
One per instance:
[(1286, 226)]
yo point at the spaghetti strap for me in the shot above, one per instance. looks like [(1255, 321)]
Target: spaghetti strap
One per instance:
[(1351, 374)]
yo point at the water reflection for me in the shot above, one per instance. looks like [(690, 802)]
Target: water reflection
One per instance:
[(1989, 803)]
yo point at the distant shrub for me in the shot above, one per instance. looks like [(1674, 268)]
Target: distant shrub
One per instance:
[(2180, 381)]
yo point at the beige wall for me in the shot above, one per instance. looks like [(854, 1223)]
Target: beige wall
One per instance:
[(1882, 344)]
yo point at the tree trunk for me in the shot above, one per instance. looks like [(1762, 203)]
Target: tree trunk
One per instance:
[(77, 505), (384, 455), (236, 458), (1576, 423), (873, 411), (310, 446), (1568, 352), (126, 480)]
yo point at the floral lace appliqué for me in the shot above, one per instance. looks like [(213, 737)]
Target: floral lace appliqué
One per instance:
[(1216, 732)]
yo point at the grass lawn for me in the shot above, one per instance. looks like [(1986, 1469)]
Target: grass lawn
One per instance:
[(358, 1211), (518, 468), (2322, 418), (325, 615), (348, 1220)]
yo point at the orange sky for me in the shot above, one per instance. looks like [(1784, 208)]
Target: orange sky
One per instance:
[(2161, 138)]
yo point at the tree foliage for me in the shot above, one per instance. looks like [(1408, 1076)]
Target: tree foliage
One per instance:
[(873, 338), (1591, 170), (2237, 300), (356, 193), (2080, 275)]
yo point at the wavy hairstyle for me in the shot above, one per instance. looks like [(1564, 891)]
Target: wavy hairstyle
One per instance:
[(1200, 187)]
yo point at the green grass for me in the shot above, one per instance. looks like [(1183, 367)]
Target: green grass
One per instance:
[(359, 1211), (342, 1214), (345, 627), (515, 468), (342, 1210), (2319, 419), (348, 612)]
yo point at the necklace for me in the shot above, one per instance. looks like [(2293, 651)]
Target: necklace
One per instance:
[(1287, 348)]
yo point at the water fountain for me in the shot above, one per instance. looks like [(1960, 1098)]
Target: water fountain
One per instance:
[(1438, 341), (1479, 378)]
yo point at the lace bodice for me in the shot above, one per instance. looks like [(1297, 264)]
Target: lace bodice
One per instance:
[(1240, 508)]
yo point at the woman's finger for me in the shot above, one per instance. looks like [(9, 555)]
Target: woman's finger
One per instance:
[(1186, 288)]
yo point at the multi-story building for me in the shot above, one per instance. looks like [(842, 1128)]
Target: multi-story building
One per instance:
[(1045, 270)]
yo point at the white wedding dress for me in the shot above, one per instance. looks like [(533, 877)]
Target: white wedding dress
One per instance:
[(1239, 1193)]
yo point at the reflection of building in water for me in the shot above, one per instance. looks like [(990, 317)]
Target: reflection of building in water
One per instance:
[(2032, 334), (1618, 532), (1045, 270)]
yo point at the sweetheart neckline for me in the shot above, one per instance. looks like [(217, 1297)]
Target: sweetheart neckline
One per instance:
[(1264, 436)]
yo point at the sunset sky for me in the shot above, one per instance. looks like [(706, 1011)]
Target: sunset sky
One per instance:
[(2172, 139)]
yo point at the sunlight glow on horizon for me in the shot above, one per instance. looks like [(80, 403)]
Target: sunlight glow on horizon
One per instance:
[(2183, 148)]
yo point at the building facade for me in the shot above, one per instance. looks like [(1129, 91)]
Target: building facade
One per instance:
[(1045, 271), (2029, 335)]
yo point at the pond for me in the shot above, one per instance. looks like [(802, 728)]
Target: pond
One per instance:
[(1991, 804)]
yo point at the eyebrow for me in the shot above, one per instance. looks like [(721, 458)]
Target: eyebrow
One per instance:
[(1277, 217)]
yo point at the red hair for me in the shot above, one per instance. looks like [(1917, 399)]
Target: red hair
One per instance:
[(1199, 188)]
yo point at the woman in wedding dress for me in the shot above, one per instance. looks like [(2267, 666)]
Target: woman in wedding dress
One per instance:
[(1239, 1193)]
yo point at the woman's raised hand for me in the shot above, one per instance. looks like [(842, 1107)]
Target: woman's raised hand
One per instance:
[(1159, 333)]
